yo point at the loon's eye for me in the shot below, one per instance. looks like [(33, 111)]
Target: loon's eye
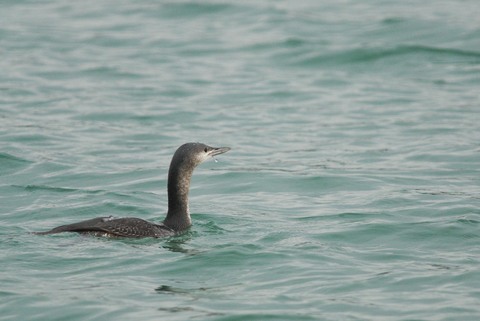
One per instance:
[(205, 150)]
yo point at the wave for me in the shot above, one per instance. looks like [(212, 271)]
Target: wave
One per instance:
[(10, 163), (5, 157), (189, 9), (361, 55)]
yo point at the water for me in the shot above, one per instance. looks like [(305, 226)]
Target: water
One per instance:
[(351, 192)]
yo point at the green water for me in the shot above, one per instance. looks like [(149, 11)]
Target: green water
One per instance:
[(352, 190)]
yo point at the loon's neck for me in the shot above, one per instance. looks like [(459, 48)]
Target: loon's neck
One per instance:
[(178, 215)]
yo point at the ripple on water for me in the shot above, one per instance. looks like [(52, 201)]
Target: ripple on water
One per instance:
[(351, 191)]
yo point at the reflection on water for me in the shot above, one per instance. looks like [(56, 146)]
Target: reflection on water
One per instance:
[(179, 244)]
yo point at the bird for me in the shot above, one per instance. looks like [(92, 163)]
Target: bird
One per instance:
[(185, 159)]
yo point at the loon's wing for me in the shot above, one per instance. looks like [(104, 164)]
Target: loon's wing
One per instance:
[(77, 227), (133, 227), (122, 227)]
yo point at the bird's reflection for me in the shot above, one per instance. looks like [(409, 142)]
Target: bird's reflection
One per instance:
[(179, 243)]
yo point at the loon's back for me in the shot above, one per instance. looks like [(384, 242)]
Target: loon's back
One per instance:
[(115, 227)]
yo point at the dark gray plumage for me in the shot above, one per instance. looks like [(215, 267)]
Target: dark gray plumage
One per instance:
[(186, 158)]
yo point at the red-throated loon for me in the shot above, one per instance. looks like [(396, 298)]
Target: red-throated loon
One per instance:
[(186, 158)]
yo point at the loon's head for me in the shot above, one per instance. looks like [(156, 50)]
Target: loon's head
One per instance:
[(193, 154), (186, 158)]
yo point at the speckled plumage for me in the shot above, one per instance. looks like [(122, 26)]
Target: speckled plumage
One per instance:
[(119, 227)]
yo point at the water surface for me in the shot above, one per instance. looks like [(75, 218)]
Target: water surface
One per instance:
[(351, 192)]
